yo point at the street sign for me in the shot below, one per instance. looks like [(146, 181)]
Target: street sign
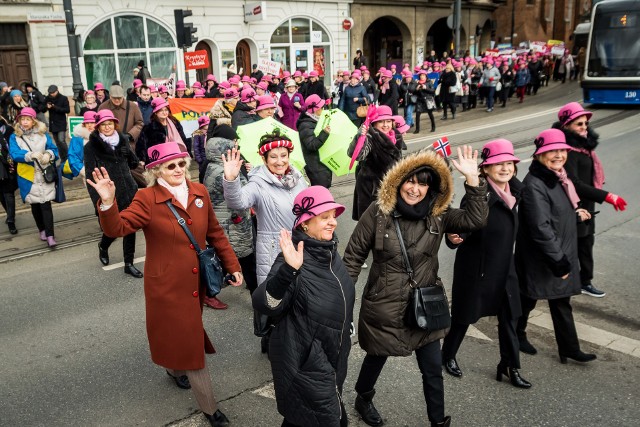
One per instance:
[(255, 11), (347, 24)]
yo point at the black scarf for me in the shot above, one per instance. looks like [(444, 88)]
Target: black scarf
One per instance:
[(415, 212)]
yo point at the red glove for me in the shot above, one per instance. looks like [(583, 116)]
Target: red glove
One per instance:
[(490, 79), (619, 204)]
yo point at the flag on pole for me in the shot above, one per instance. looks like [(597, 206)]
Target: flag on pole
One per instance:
[(442, 147)]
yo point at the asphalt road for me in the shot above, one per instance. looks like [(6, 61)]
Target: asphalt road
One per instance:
[(73, 348)]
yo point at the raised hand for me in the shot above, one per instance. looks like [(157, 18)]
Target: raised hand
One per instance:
[(292, 255), (103, 185), (232, 162), (467, 164)]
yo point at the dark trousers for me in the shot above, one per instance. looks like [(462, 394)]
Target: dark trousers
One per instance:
[(491, 93), (248, 265), (585, 256), (433, 121), (452, 107), (60, 139), (563, 324), (429, 360), (344, 421), (507, 339), (43, 215), (8, 201), (128, 246)]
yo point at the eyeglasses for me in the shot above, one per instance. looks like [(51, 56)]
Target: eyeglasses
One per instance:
[(181, 164), (582, 123)]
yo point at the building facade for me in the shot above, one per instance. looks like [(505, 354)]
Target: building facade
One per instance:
[(115, 35)]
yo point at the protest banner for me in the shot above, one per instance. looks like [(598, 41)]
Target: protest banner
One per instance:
[(187, 111), (169, 82), (196, 60), (269, 67), (539, 47)]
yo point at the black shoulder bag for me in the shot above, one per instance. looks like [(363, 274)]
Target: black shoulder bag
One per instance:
[(428, 306), (49, 172), (211, 271)]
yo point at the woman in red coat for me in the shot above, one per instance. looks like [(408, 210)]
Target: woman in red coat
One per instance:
[(173, 292)]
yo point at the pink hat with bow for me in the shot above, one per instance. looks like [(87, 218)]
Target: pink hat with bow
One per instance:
[(313, 201), (158, 104), (549, 140), (572, 111), (498, 151), (164, 152)]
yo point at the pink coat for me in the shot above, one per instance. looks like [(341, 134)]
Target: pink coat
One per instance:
[(290, 112)]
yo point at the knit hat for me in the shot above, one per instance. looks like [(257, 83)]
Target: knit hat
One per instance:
[(15, 92), (313, 201), (498, 151), (550, 139), (158, 104), (224, 131), (569, 113), (164, 152)]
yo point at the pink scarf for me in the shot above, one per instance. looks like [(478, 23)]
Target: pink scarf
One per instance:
[(568, 187), (385, 87), (174, 135), (392, 136), (505, 194), (598, 170)]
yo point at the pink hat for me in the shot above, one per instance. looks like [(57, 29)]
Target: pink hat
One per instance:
[(266, 78), (422, 73), (103, 116), (265, 102), (246, 79), (234, 80), (405, 65), (158, 104), (416, 68), (436, 64), (406, 74), (383, 113), (286, 74), (401, 125), (572, 111), (98, 86), (88, 92), (153, 89), (137, 83), (387, 73), (382, 69), (498, 151), (196, 85), (551, 139), (27, 112), (247, 95), (442, 63), (297, 74), (198, 93), (366, 71), (393, 66), (163, 89), (313, 201), (346, 73), (211, 77), (305, 75), (356, 74), (230, 93), (254, 80), (313, 103), (224, 84), (203, 120), (164, 152), (246, 85), (89, 117), (262, 85), (313, 73), (363, 68), (181, 85)]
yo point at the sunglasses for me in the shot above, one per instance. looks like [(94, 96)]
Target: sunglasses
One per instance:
[(582, 123), (180, 164)]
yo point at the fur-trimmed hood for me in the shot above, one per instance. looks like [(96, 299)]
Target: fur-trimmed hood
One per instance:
[(81, 132), (388, 193), (41, 129), (577, 141)]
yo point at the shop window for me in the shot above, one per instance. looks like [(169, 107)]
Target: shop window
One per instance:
[(281, 34), (115, 46), (302, 44), (300, 30)]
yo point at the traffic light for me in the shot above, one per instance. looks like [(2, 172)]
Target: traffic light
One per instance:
[(185, 32)]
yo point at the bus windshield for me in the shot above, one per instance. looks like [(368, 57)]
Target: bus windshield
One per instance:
[(615, 45)]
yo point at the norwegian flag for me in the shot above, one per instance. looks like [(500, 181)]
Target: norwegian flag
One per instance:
[(442, 147)]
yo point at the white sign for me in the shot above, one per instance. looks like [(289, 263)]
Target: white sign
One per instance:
[(255, 11), (169, 83), (539, 47), (46, 17), (316, 37), (557, 50), (269, 67)]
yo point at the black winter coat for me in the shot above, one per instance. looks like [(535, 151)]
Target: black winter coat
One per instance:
[(484, 271), (547, 244), (58, 112), (425, 91), (390, 97), (37, 101), (118, 162), (369, 86), (155, 133), (8, 176), (579, 168), (316, 88), (310, 345), (317, 172), (407, 90), (448, 79), (242, 115)]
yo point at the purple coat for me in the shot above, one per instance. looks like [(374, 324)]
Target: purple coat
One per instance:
[(290, 113)]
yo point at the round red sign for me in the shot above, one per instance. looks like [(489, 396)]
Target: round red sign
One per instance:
[(347, 24)]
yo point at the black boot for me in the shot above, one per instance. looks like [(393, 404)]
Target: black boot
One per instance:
[(132, 270), (513, 375), (578, 356), (218, 419), (264, 344), (445, 423), (368, 412), (452, 368), (433, 128), (525, 346), (453, 115), (103, 254), (12, 228)]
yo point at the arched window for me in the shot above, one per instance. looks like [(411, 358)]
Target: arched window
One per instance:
[(115, 46), (302, 44)]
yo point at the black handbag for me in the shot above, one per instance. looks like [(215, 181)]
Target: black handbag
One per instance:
[(428, 307), (211, 271), (49, 173)]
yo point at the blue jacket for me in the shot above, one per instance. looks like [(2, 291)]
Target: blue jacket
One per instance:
[(522, 77), (348, 105)]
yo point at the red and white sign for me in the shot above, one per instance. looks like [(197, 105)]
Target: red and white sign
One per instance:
[(538, 47), (347, 24), (255, 11), (196, 60), (169, 83), (269, 67)]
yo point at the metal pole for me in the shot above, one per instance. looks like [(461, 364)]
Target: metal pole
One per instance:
[(73, 42), (186, 72), (456, 25), (513, 21)]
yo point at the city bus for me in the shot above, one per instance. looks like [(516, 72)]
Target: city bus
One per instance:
[(612, 69)]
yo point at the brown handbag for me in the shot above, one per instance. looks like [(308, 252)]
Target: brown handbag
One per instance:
[(361, 111)]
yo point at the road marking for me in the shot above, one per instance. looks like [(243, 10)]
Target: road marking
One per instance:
[(266, 391), (475, 333), (592, 334), (121, 264)]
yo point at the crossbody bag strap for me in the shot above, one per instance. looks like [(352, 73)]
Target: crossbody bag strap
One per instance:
[(34, 160), (183, 224), (126, 116), (405, 256)]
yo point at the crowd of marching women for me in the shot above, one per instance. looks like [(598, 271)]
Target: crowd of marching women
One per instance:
[(273, 223)]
